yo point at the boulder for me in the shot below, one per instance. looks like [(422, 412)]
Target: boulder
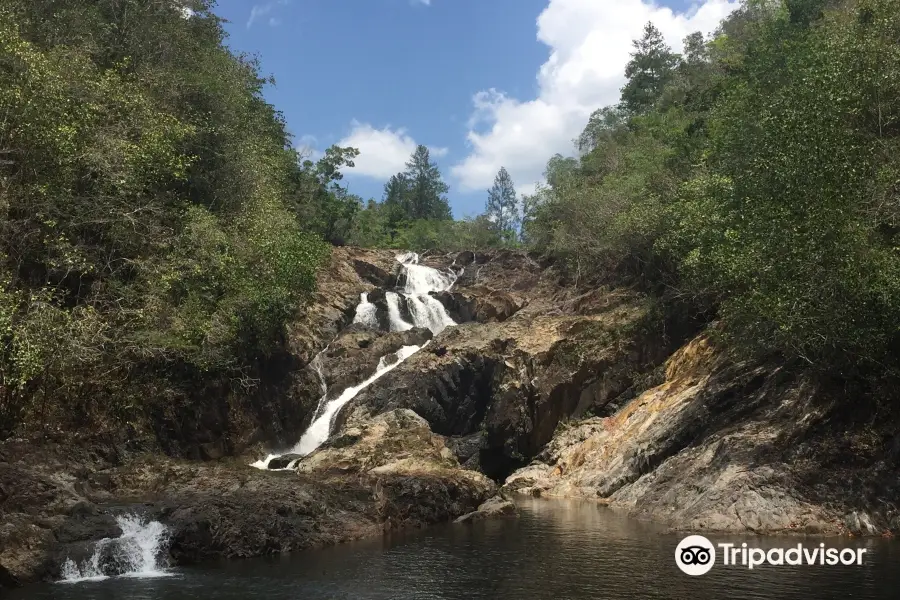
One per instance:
[(496, 506)]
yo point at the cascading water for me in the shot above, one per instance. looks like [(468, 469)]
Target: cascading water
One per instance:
[(424, 310), (366, 312), (316, 364), (135, 553), (394, 318), (320, 429)]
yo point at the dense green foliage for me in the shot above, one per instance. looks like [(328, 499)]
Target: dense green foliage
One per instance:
[(414, 214), (149, 203), (757, 175)]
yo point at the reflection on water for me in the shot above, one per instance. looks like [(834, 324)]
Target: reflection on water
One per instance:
[(557, 549)]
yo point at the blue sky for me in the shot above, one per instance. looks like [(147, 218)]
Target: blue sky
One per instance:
[(484, 83)]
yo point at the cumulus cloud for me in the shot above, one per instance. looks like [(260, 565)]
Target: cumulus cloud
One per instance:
[(590, 44), (382, 152)]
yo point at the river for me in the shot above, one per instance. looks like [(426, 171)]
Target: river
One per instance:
[(557, 549)]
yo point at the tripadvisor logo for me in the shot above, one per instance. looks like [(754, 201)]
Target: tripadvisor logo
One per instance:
[(696, 555)]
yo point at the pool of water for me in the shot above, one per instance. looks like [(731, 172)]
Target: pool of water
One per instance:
[(557, 549)]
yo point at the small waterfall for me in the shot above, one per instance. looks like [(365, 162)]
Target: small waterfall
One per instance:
[(135, 553), (429, 312), (408, 258), (366, 312), (394, 318), (320, 429), (316, 364), (421, 280), (424, 310)]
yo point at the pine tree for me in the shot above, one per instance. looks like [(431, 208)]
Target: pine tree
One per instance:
[(649, 70), (502, 208), (427, 190)]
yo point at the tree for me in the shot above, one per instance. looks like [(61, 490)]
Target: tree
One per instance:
[(322, 204), (648, 71), (150, 236), (502, 209), (427, 190), (396, 201), (370, 227)]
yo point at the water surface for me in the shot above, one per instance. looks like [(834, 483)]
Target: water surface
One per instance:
[(557, 549)]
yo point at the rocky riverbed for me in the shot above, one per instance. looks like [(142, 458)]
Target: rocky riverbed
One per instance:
[(542, 388)]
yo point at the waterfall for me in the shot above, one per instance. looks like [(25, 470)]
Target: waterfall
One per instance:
[(366, 312), (424, 310), (396, 321), (320, 429), (420, 282), (135, 553), (316, 364), (429, 312)]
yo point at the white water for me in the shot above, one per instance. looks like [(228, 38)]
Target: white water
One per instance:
[(396, 321), (132, 554), (429, 312), (409, 258), (320, 429), (420, 282), (366, 312), (425, 311)]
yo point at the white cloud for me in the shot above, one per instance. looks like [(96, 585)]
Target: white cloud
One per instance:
[(590, 44), (262, 10), (382, 152), (425, 2), (307, 147)]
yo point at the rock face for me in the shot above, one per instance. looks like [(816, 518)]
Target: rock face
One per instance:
[(499, 388), (354, 354), (206, 419), (726, 446)]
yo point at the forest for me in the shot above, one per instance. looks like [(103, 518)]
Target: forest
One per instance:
[(156, 220)]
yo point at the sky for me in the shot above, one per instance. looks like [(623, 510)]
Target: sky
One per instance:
[(482, 83)]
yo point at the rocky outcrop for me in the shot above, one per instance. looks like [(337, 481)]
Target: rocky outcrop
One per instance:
[(480, 303), (59, 495), (354, 354), (724, 445), (199, 416), (500, 388)]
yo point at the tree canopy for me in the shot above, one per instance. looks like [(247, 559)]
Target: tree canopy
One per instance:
[(754, 178), (153, 214)]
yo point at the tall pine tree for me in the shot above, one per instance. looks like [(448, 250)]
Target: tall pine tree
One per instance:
[(649, 70), (501, 207), (427, 190)]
